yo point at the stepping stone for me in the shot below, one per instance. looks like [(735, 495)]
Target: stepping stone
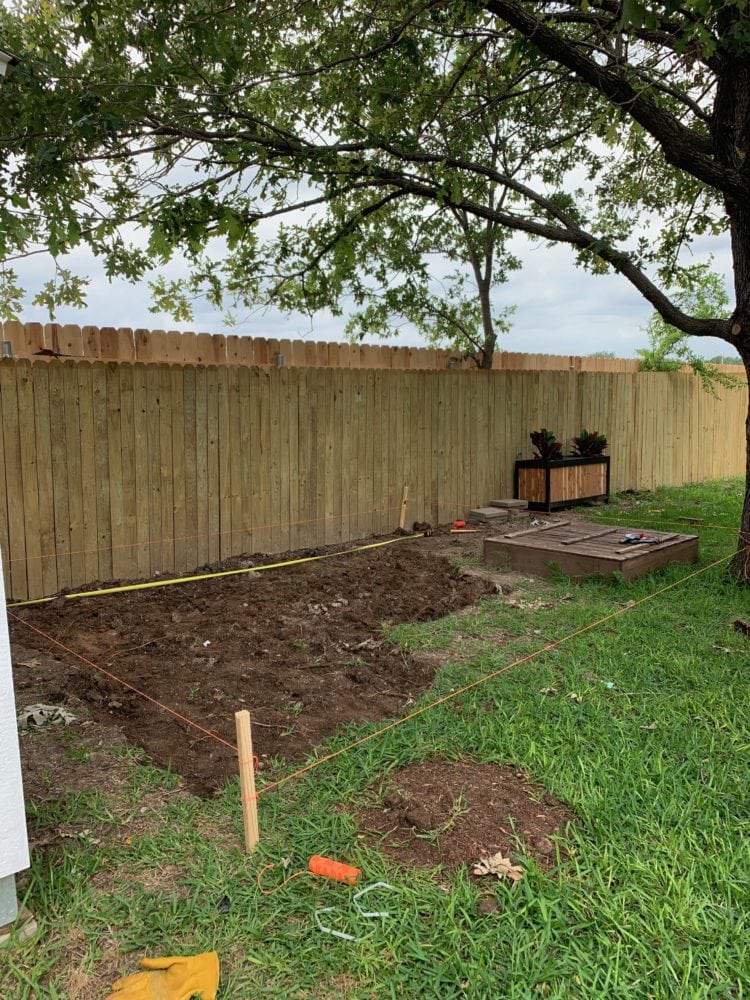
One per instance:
[(483, 515), (510, 504)]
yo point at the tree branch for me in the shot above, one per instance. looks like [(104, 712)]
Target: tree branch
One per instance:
[(573, 235), (683, 147)]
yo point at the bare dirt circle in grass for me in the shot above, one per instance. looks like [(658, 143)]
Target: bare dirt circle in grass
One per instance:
[(303, 648), (451, 813)]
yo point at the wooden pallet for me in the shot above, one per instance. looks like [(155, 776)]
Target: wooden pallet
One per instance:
[(581, 549)]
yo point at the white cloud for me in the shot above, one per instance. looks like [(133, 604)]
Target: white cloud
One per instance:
[(561, 309)]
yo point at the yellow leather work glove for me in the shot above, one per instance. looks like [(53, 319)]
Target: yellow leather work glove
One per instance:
[(171, 979)]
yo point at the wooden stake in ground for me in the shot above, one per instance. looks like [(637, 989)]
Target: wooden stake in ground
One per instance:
[(247, 780), (404, 504)]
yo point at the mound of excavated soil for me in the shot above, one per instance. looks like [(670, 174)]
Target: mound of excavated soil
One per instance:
[(452, 813)]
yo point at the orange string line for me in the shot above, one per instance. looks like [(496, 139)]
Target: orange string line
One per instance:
[(495, 673), (119, 680), (270, 892)]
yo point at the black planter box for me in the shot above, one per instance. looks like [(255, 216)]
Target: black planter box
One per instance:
[(565, 482)]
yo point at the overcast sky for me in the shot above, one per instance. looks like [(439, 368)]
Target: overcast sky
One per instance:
[(561, 309)]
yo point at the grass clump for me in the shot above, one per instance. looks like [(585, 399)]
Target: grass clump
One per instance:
[(640, 726)]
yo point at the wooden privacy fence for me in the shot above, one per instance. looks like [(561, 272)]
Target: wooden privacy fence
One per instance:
[(107, 343), (115, 471)]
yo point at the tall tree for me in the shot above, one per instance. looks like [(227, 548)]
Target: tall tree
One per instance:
[(195, 120)]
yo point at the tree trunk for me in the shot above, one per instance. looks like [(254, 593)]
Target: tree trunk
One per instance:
[(488, 327), (730, 131), (740, 565)]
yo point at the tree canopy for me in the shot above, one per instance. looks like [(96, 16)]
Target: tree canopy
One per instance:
[(195, 121), (619, 129)]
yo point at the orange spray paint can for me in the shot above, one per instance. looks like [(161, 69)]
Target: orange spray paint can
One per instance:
[(327, 868)]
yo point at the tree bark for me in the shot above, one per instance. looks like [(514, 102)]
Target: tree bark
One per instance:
[(740, 565), (730, 133), (488, 329)]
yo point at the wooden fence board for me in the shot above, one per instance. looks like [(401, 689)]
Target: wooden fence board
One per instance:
[(88, 445), (225, 466), (219, 349), (190, 449), (205, 348), (357, 454), (14, 482), (189, 348), (329, 423), (179, 501), (277, 528), (154, 468), (119, 345), (201, 466), (61, 493), (28, 453), (129, 555), (43, 446), (256, 466), (391, 420), (292, 458), (76, 501), (306, 433), (15, 334), (230, 443), (351, 446), (212, 445), (262, 487), (141, 465), (71, 342), (235, 460), (166, 470), (91, 343), (116, 496), (450, 428), (364, 499), (245, 462), (283, 512)]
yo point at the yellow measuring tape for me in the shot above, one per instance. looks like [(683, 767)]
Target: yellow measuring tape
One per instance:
[(212, 576)]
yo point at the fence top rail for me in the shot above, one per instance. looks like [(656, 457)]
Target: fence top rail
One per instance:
[(45, 342), (551, 373)]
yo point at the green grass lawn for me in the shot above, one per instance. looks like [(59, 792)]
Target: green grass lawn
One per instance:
[(652, 899)]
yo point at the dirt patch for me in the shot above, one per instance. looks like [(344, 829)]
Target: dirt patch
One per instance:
[(81, 980), (452, 813), (82, 786), (302, 647)]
